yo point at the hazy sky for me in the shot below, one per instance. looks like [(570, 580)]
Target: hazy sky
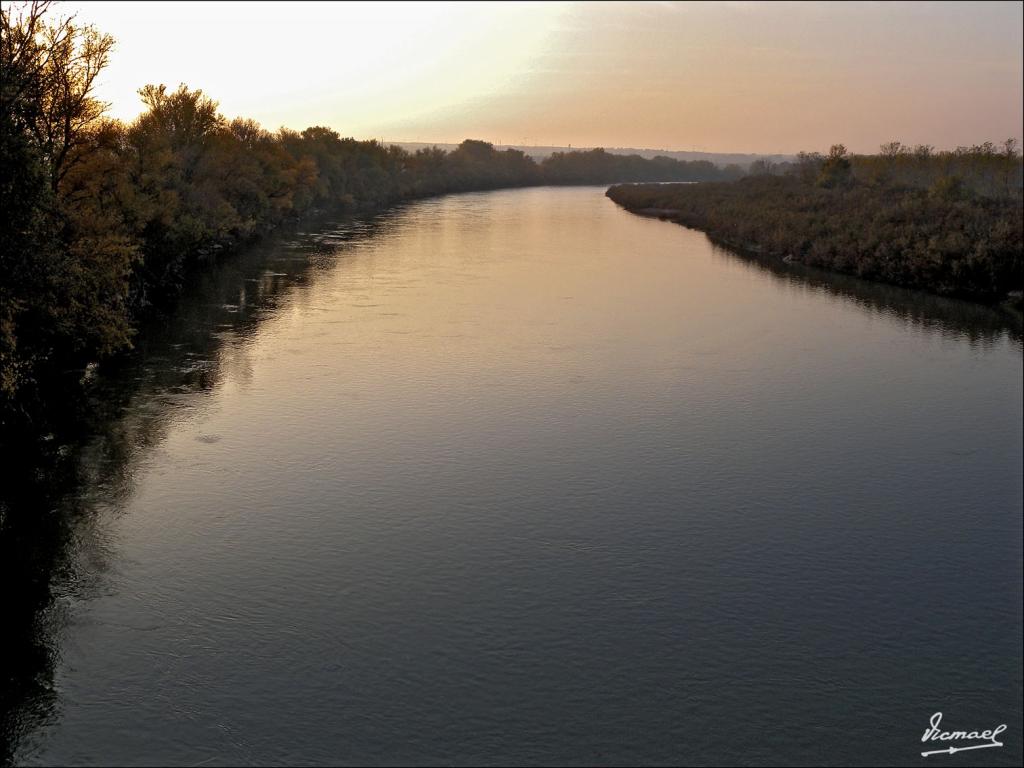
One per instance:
[(731, 76)]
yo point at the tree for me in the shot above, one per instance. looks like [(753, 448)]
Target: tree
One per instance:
[(808, 166), (53, 68), (836, 170), (891, 149), (63, 272), (1011, 165)]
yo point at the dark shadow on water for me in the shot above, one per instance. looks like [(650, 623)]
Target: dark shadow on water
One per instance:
[(56, 487), (978, 324)]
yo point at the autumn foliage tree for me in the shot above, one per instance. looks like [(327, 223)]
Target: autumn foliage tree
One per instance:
[(63, 264)]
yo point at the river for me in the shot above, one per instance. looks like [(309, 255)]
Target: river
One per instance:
[(520, 477)]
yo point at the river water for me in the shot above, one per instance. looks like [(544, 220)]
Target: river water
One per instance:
[(520, 477)]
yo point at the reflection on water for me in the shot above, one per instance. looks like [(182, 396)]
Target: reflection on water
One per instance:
[(54, 503), (973, 322), (521, 477)]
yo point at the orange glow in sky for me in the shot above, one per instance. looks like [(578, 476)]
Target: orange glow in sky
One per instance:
[(731, 76)]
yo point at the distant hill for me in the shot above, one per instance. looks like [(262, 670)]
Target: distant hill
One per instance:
[(720, 159)]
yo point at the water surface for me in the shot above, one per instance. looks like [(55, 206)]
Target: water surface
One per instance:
[(519, 477)]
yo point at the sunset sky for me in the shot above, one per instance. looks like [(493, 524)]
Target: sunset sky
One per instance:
[(719, 77)]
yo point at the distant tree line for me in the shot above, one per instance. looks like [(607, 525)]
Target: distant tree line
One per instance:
[(950, 222), (103, 220), (988, 170), (597, 166)]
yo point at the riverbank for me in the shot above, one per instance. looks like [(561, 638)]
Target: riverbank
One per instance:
[(952, 244)]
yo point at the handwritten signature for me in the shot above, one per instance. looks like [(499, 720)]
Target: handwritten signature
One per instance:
[(935, 733)]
